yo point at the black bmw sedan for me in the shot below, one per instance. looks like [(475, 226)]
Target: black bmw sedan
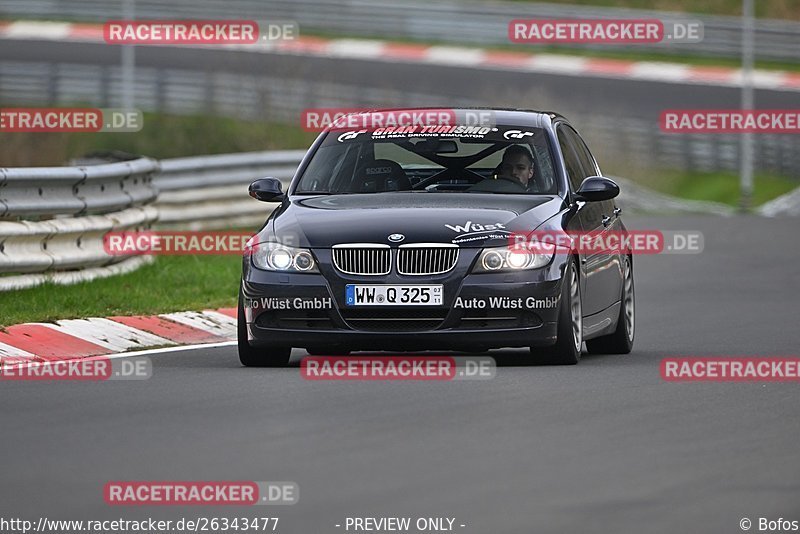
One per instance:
[(401, 236)]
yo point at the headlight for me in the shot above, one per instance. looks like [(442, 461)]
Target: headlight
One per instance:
[(505, 259), (277, 257)]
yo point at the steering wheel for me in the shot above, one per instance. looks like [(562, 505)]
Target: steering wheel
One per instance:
[(513, 181)]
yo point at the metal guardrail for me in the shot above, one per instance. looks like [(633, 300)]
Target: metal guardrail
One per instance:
[(209, 192), (84, 203), (48, 191), (66, 243), (52, 219), (225, 169), (466, 22)]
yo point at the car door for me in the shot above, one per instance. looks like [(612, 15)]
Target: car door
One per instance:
[(574, 171), (602, 269), (609, 264)]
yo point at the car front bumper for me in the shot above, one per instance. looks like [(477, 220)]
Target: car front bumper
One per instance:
[(307, 310)]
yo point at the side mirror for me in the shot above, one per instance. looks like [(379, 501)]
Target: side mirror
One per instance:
[(266, 190), (597, 188)]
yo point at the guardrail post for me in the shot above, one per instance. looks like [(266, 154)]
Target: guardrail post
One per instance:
[(746, 170), (128, 59)]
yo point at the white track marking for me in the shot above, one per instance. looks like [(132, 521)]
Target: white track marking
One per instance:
[(221, 317), (453, 55), (654, 70), (39, 30), (558, 63), (765, 79), (204, 321), (356, 48)]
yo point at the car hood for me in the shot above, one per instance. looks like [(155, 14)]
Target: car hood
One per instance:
[(469, 220)]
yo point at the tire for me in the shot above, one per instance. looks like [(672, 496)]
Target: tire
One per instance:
[(621, 340), (277, 356), (569, 338)]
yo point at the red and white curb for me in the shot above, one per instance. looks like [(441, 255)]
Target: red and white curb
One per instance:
[(567, 65), (81, 338)]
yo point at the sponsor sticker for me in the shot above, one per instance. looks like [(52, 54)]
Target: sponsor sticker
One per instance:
[(473, 231), (506, 303), (470, 227), (289, 303)]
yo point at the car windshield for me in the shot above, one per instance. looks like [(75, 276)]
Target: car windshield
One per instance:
[(470, 159)]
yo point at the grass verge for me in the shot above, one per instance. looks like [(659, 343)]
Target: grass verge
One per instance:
[(171, 283), (163, 136), (717, 186)]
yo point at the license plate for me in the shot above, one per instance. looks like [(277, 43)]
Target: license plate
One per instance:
[(391, 295)]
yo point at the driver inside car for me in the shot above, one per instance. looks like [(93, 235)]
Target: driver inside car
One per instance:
[(514, 174), (517, 165)]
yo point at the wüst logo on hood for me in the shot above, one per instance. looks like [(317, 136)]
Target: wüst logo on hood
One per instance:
[(471, 231), (475, 227)]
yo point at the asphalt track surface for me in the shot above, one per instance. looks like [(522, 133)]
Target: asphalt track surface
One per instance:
[(605, 446), (492, 88)]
